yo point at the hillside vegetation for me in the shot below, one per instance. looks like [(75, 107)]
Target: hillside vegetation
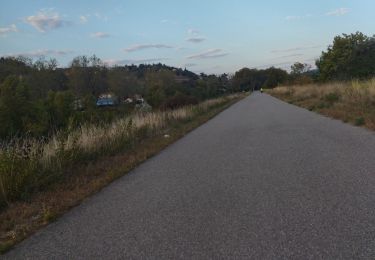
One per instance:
[(29, 164), (344, 85), (352, 101)]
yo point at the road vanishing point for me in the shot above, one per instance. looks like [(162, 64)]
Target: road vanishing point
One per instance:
[(262, 180)]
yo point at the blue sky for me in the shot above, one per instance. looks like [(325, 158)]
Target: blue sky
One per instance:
[(211, 36)]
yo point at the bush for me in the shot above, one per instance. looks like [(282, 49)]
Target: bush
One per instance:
[(359, 121), (332, 97), (178, 101)]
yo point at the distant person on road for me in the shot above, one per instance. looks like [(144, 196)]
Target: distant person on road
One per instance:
[(261, 90)]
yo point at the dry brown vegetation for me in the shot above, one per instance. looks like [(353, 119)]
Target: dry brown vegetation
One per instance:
[(352, 102), (99, 161)]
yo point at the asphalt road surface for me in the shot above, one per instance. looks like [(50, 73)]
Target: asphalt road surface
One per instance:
[(262, 180)]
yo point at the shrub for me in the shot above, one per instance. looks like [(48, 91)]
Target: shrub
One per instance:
[(359, 121), (332, 97), (178, 101)]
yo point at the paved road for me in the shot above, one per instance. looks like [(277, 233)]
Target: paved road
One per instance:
[(262, 180)]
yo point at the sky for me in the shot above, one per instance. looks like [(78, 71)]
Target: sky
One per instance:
[(210, 36)]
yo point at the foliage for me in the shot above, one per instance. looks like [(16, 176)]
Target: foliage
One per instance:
[(178, 100), (39, 98), (253, 79), (350, 56), (14, 106), (299, 68)]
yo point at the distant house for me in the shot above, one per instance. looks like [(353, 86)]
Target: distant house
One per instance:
[(106, 100), (127, 100)]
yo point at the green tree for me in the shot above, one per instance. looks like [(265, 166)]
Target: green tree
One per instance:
[(123, 82), (60, 108), (350, 56), (87, 75), (299, 68), (159, 85), (14, 106), (275, 77), (253, 79)]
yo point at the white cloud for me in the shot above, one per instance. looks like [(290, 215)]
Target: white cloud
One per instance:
[(112, 62), (196, 39), (42, 52), (84, 18), (300, 48), (139, 47), (45, 20), (5, 30), (101, 17), (194, 36), (338, 12), (193, 31), (208, 54), (100, 35)]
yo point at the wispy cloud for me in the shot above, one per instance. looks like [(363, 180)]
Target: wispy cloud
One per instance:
[(208, 54), (139, 47), (338, 12), (42, 52), (300, 48), (196, 39), (5, 30), (181, 48), (100, 35), (46, 20), (289, 56), (193, 31), (112, 62), (101, 16), (84, 18), (194, 36)]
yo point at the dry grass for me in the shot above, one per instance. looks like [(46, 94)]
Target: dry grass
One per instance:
[(352, 102), (97, 163), (28, 164)]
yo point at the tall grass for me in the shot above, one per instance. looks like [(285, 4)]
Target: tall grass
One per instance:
[(28, 165), (352, 101)]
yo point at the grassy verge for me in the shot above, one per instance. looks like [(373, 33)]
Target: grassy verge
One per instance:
[(84, 162), (352, 102)]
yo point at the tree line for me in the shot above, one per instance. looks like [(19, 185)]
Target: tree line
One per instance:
[(38, 98), (350, 56)]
